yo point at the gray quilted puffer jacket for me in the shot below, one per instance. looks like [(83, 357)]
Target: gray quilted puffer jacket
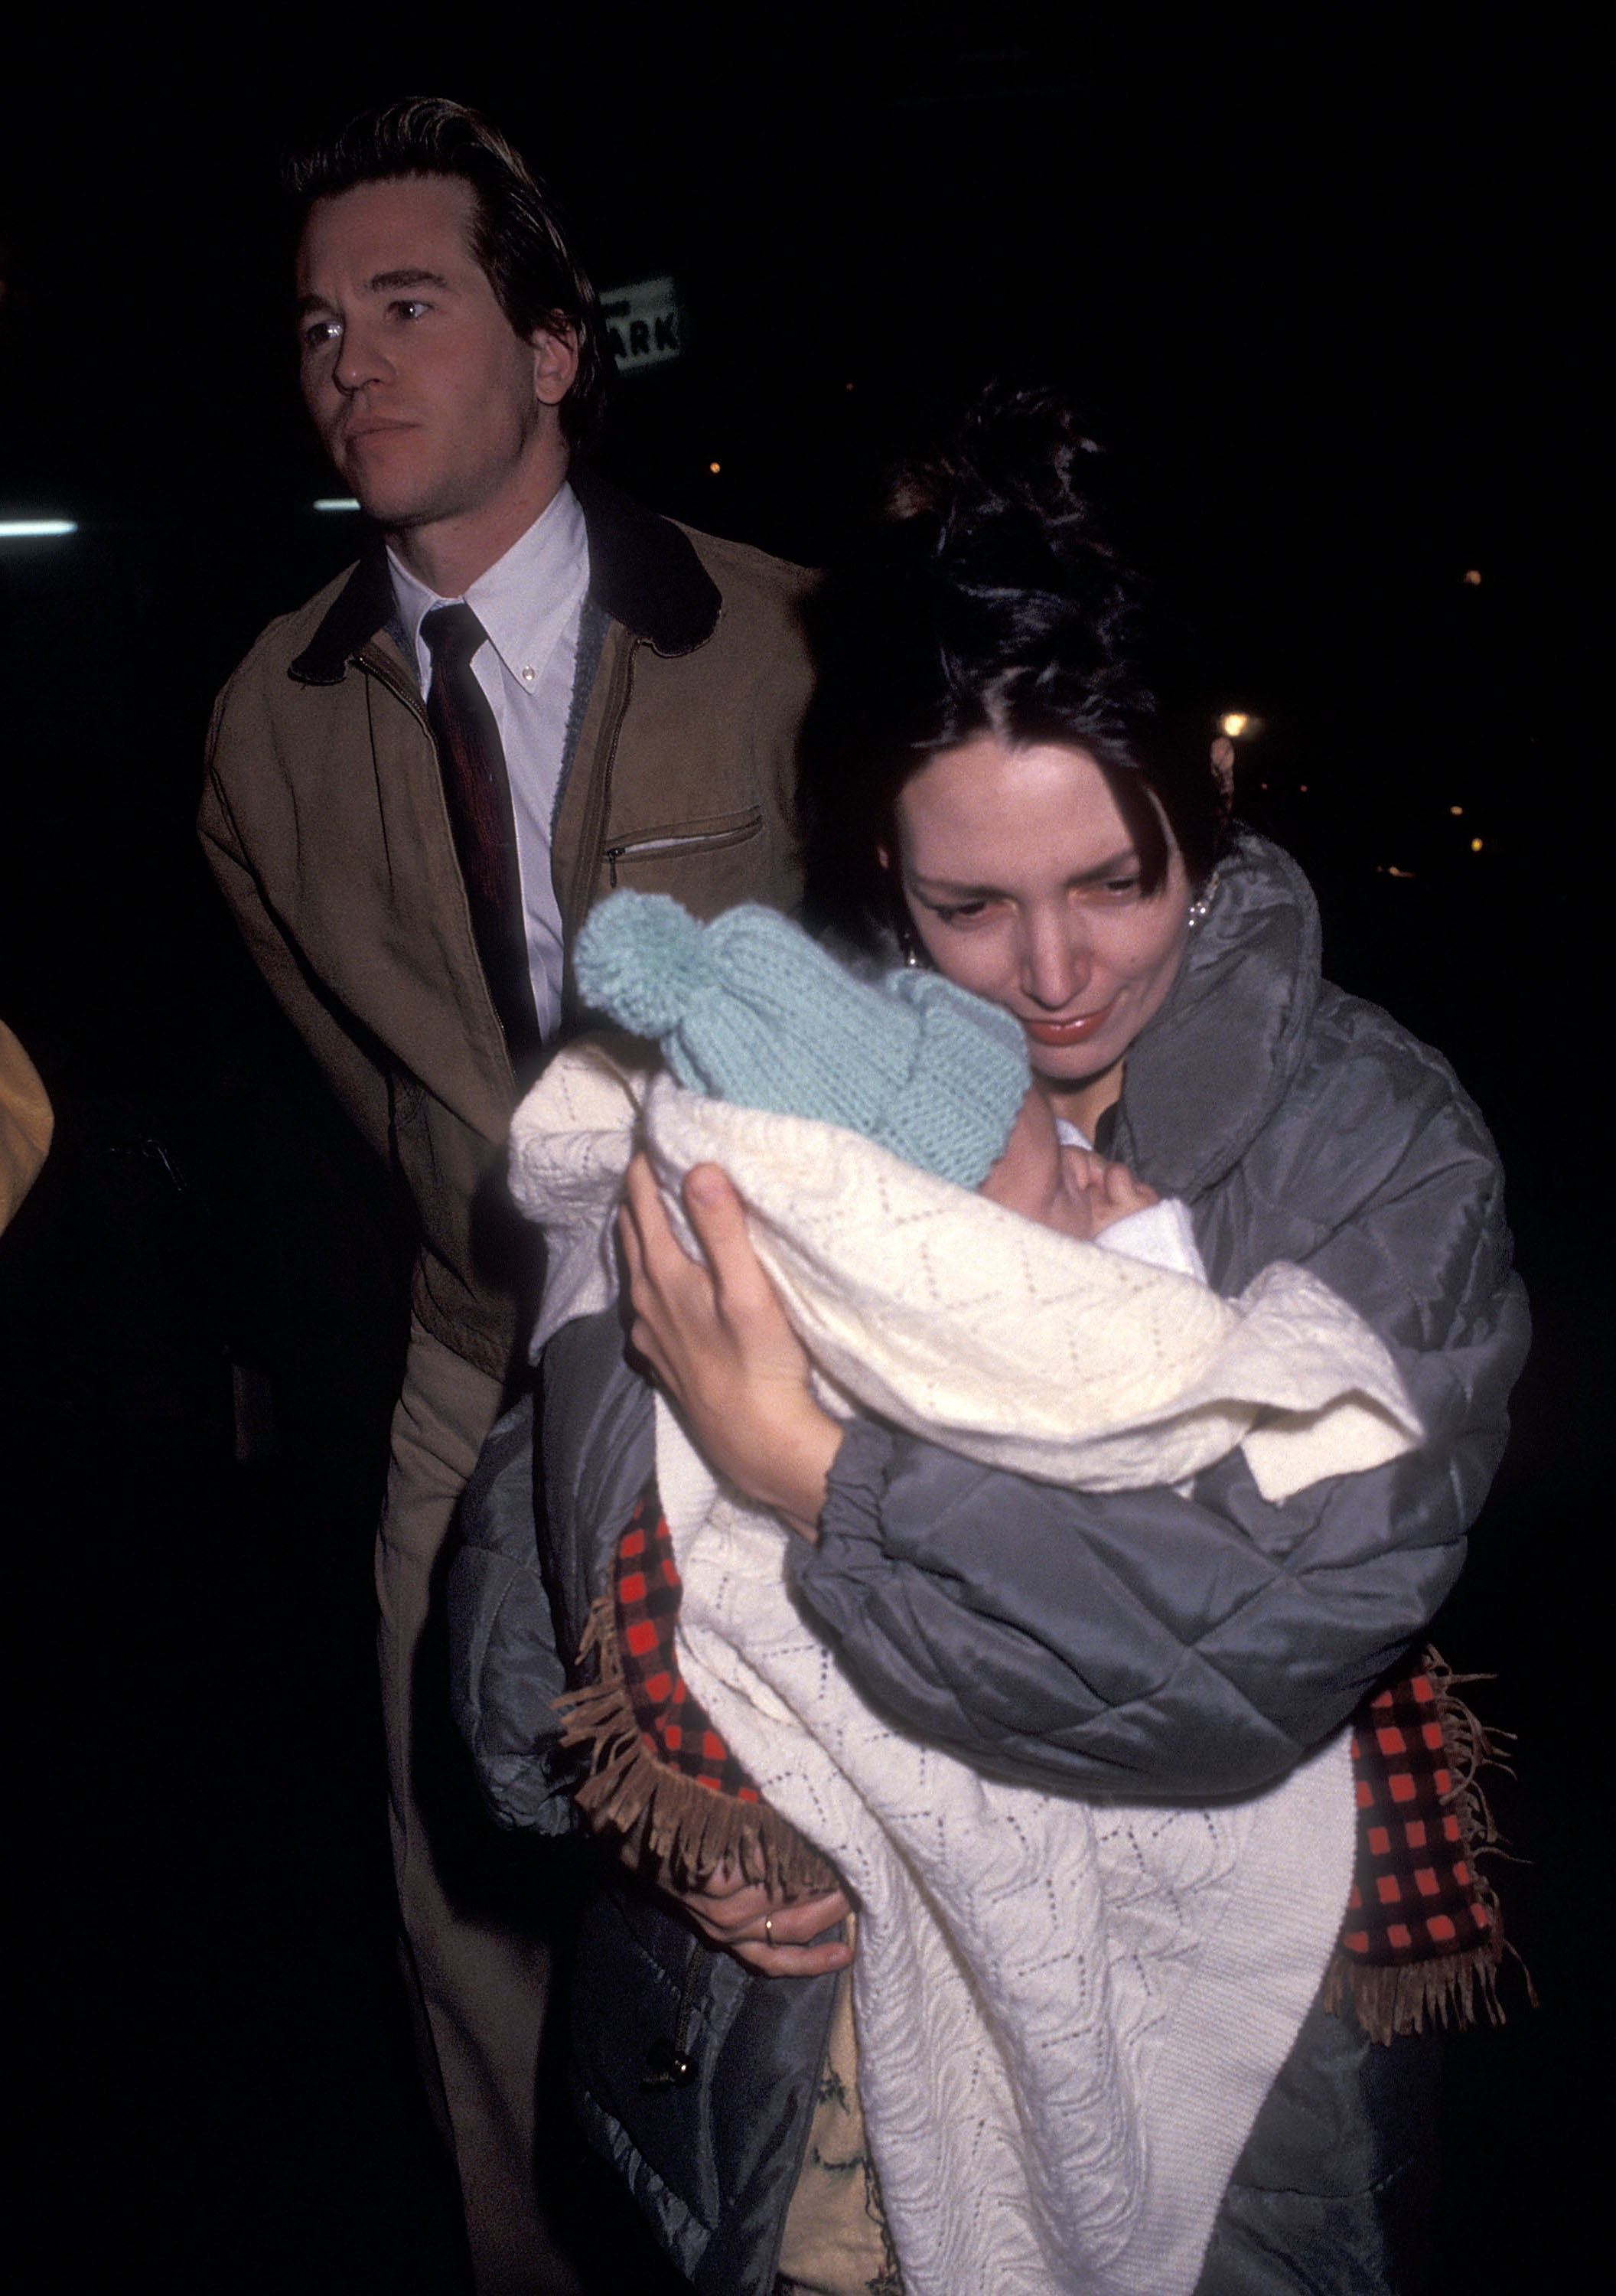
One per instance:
[(1134, 1643)]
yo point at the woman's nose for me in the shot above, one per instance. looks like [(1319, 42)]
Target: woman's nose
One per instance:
[(1056, 963)]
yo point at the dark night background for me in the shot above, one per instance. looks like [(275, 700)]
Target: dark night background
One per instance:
[(1322, 290)]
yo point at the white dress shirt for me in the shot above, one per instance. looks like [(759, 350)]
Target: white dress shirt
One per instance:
[(530, 602)]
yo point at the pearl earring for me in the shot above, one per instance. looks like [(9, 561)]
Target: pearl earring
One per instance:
[(1201, 905)]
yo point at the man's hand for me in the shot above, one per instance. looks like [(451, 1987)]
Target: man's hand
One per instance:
[(769, 1931), (718, 1341)]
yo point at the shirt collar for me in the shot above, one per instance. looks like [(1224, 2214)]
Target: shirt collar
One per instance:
[(526, 599)]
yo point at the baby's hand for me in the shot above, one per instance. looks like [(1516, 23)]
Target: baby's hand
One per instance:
[(1070, 1189), (1101, 1193)]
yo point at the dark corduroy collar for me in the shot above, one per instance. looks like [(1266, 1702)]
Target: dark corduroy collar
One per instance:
[(642, 572)]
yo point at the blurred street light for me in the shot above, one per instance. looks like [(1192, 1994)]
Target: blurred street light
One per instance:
[(336, 501), (27, 529)]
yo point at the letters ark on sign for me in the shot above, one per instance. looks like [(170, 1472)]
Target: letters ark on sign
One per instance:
[(643, 324)]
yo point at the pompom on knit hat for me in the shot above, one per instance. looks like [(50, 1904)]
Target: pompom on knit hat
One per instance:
[(748, 1009)]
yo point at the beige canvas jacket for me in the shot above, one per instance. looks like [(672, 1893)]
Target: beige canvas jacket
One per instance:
[(323, 819)]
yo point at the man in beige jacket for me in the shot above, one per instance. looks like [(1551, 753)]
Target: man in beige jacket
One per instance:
[(526, 691)]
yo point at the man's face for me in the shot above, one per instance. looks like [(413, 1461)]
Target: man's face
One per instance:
[(429, 403)]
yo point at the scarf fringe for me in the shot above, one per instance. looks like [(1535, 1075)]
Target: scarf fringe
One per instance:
[(663, 1819), (1388, 2000)]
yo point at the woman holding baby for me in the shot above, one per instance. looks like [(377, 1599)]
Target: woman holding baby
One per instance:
[(1001, 799)]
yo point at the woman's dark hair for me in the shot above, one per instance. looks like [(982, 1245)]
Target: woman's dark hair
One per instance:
[(515, 233), (992, 602)]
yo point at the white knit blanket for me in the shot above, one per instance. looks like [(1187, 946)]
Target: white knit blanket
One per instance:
[(961, 1321), (1068, 2013)]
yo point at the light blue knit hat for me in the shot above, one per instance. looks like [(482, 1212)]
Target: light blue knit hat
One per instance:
[(748, 1009)]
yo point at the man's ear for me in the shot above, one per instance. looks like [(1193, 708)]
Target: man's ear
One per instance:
[(1223, 767), (555, 362)]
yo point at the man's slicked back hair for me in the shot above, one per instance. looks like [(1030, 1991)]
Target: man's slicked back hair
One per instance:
[(515, 233)]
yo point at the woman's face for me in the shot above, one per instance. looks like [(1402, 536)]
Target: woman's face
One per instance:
[(1024, 885)]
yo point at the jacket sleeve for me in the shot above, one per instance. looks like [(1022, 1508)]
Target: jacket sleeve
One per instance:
[(553, 1492), (357, 1072), (1145, 1643), (505, 1670)]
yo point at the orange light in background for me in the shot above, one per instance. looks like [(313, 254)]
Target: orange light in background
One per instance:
[(1234, 723), (1472, 579), (1475, 844), (1456, 810), (714, 468)]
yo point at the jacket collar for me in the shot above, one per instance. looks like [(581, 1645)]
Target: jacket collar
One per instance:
[(363, 605), (1207, 1073), (644, 572)]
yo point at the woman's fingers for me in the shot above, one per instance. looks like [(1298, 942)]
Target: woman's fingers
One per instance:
[(775, 1935), (715, 1335), (743, 1298), (660, 1262), (671, 1293), (794, 1960), (719, 1219)]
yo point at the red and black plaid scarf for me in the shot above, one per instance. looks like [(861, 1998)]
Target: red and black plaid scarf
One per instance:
[(1423, 1930), (660, 1779), (645, 1598), (1414, 1892)]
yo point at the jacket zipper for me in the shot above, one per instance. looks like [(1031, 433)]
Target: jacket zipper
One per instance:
[(653, 848), (600, 799), (671, 2063)]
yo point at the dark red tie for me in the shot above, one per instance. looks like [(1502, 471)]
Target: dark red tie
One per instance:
[(479, 797)]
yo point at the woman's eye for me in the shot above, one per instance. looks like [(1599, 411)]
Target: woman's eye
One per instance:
[(1120, 886), (960, 912)]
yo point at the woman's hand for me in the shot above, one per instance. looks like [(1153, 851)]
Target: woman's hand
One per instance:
[(769, 1931), (717, 1339)]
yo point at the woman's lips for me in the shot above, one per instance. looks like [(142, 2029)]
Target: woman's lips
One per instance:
[(1075, 1031)]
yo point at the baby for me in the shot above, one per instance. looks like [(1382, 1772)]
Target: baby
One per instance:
[(751, 1010)]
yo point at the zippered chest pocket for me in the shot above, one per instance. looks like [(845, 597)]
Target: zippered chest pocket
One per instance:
[(680, 842)]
